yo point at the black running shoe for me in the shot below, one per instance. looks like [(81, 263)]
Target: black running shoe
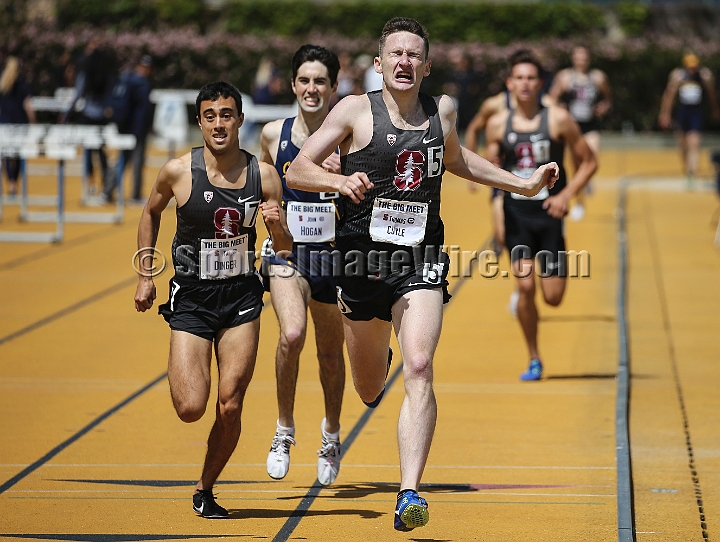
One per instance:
[(204, 505)]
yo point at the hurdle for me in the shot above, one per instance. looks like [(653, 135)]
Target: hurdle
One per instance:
[(17, 141), (61, 154), (86, 137)]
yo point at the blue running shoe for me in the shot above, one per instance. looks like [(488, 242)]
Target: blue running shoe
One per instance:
[(534, 371), (376, 402), (411, 511)]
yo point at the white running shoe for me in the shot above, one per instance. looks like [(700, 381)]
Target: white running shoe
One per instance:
[(512, 304), (577, 213), (278, 460), (328, 458)]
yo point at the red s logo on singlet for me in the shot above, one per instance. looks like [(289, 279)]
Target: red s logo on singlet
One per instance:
[(524, 155), (409, 166), (227, 222)]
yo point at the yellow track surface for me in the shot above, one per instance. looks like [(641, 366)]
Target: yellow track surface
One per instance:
[(91, 449)]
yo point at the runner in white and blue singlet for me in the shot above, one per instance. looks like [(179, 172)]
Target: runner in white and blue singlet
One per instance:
[(304, 279)]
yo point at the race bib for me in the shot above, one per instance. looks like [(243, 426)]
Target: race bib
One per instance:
[(543, 194), (311, 222), (581, 111), (223, 258), (398, 222), (540, 155), (690, 93)]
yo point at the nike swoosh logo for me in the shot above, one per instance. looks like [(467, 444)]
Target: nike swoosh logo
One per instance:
[(201, 508), (426, 141), (537, 137), (243, 200), (246, 311), (421, 284)]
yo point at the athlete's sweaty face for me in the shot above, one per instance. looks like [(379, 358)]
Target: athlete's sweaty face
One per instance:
[(312, 87), (524, 82), (403, 62), (219, 122)]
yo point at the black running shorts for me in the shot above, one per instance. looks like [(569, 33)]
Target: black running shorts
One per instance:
[(204, 308), (527, 224), (592, 125), (363, 298)]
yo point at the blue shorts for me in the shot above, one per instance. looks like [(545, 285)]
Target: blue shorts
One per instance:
[(690, 118), (315, 265)]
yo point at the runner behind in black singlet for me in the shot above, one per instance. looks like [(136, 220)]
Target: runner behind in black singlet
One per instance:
[(523, 140)]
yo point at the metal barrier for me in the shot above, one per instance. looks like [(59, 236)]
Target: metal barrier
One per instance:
[(86, 137), (18, 142), (60, 142)]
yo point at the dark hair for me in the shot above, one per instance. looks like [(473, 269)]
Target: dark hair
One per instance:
[(403, 24), (310, 53), (100, 73), (525, 56), (218, 89)]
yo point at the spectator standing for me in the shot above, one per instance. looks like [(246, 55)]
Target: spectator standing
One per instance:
[(15, 108), (96, 75), (138, 123), (464, 86), (268, 84)]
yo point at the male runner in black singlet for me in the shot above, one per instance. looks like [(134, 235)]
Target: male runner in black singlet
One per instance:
[(394, 146), (216, 294), (297, 282), (522, 140)]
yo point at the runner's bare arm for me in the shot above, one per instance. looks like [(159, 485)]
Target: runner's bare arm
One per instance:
[(468, 165), (148, 228), (272, 213), (558, 86), (709, 83), (269, 138), (493, 137), (563, 127), (305, 172), (489, 107), (668, 98), (605, 104)]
